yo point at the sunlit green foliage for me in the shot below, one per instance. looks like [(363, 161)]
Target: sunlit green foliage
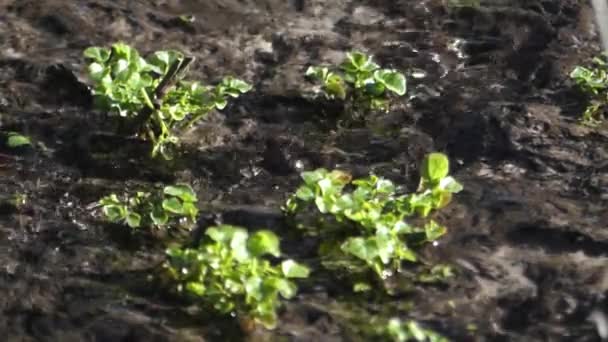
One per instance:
[(174, 206), (360, 82), (594, 82), (362, 223), (14, 140), (150, 93), (229, 272)]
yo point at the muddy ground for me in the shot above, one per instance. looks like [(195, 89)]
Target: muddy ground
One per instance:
[(528, 235)]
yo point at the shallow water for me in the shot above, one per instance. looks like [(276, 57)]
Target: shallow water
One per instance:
[(527, 237)]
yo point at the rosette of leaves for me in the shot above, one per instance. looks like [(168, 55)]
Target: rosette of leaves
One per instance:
[(362, 222), (360, 82), (230, 272), (175, 205), (593, 82), (150, 94)]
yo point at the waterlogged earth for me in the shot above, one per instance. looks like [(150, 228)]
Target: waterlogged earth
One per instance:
[(528, 237)]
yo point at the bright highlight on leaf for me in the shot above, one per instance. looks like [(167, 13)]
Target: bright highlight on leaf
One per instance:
[(17, 140)]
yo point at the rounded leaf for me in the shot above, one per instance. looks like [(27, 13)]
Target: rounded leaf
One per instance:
[(114, 213), (133, 219), (392, 80), (159, 216), (17, 140), (264, 242), (97, 54), (183, 191), (173, 205), (435, 167), (292, 269), (224, 233)]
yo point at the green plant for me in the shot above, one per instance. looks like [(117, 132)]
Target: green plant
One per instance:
[(229, 272), (150, 95), (15, 140), (399, 331), (361, 83), (362, 222), (593, 82), (174, 205)]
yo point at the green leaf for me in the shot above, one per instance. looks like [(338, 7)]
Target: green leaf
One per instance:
[(358, 62), (197, 289), (115, 213), (224, 233), (375, 88), (362, 287), (416, 331), (173, 205), (312, 177), (450, 184), (183, 191), (264, 242), (305, 193), (238, 244), (292, 269), (133, 219), (236, 86), (318, 73), (334, 87), (364, 249), (286, 288), (393, 80), (97, 54), (433, 230), (253, 287), (435, 167), (16, 140), (159, 216)]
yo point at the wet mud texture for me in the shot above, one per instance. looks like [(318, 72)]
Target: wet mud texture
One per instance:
[(528, 235)]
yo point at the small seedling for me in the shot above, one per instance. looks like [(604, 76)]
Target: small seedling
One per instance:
[(15, 140), (360, 82), (230, 273), (362, 222), (174, 206), (593, 82), (150, 95)]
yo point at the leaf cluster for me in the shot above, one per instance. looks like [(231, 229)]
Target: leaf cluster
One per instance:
[(593, 82), (164, 208), (362, 222), (229, 271), (150, 95), (399, 331), (360, 81)]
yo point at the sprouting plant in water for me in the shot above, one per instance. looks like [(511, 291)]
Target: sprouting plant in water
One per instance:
[(229, 272), (594, 82), (361, 222), (360, 82), (175, 205), (151, 96)]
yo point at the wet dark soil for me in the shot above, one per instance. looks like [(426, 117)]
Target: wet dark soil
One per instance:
[(528, 236)]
